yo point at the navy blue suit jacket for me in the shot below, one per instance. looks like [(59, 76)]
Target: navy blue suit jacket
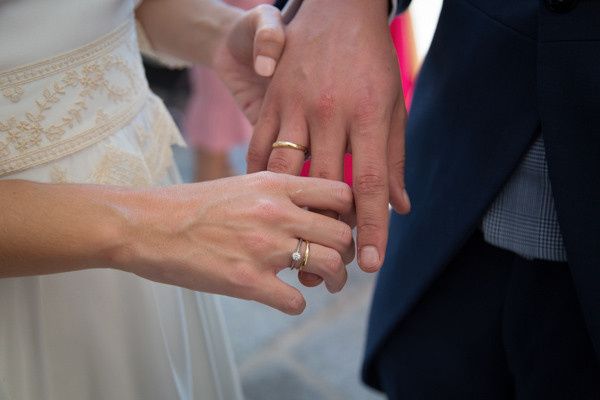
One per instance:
[(496, 72)]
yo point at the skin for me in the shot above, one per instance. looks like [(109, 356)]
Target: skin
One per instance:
[(230, 236), (337, 88)]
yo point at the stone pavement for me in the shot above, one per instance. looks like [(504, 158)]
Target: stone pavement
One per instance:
[(314, 356), (310, 357)]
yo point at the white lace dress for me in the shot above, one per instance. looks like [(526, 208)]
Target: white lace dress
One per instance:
[(75, 107)]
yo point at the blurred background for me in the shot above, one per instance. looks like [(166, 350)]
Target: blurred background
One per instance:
[(315, 356)]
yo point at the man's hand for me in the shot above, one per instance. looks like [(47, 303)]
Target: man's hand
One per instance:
[(337, 88)]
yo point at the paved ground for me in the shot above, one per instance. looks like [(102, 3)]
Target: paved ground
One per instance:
[(315, 356)]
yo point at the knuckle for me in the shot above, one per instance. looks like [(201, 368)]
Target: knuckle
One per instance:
[(325, 107), (370, 230), (255, 156), (267, 180), (279, 163), (270, 35), (343, 194), (368, 184), (397, 164), (345, 235), (333, 263), (369, 107), (267, 209), (321, 170), (322, 173)]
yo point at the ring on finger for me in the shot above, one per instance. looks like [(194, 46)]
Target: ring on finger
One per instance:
[(296, 255), (306, 256), (283, 144)]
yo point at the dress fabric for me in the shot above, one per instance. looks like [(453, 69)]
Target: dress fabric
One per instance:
[(75, 107)]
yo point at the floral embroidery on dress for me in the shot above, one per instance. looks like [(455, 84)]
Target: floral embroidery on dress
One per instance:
[(91, 80), (13, 93), (65, 103), (58, 174), (121, 168)]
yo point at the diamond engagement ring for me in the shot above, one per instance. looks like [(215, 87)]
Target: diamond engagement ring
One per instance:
[(296, 255)]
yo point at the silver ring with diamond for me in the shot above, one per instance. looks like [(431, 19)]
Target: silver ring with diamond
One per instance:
[(297, 255)]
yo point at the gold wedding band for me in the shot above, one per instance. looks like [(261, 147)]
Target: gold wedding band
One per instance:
[(282, 144), (306, 255)]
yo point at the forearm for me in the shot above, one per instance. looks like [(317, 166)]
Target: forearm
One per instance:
[(189, 30), (47, 228)]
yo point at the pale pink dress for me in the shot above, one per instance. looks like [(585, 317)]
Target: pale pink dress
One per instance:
[(213, 121)]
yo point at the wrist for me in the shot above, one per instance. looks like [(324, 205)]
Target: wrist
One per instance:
[(371, 7), (144, 227), (113, 239), (188, 30), (340, 12)]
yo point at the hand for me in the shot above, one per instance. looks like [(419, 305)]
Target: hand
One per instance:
[(242, 47), (337, 88), (248, 55), (232, 236)]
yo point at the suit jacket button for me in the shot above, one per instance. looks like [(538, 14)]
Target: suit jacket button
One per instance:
[(560, 6)]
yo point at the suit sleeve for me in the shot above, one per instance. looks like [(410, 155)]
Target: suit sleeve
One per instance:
[(400, 5)]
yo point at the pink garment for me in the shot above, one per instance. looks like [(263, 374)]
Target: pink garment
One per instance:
[(402, 35), (212, 120)]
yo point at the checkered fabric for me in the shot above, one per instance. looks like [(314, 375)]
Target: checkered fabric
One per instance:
[(523, 217)]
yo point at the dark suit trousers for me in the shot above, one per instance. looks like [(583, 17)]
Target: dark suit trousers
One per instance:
[(493, 326)]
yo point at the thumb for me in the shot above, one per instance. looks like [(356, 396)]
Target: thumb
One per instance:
[(269, 39)]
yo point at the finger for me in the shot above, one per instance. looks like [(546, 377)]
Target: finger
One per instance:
[(321, 194), (370, 186), (289, 160), (328, 145), (325, 264), (396, 161), (269, 39), (309, 279), (328, 139), (349, 218), (265, 132), (326, 231), (279, 295)]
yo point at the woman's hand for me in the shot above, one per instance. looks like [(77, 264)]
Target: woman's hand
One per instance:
[(232, 236), (248, 55), (243, 47)]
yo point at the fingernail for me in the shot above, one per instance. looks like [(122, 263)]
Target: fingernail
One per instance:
[(369, 257), (264, 66), (406, 198)]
